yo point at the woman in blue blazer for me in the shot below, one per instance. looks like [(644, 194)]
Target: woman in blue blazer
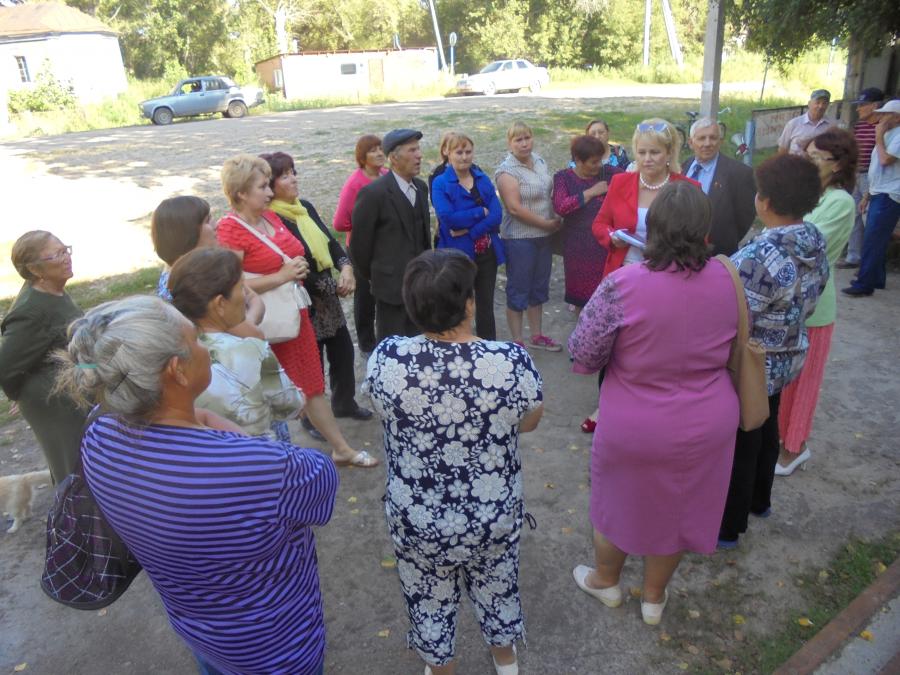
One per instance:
[(469, 215)]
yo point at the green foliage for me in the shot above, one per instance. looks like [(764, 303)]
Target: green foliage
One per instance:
[(784, 29), (47, 93)]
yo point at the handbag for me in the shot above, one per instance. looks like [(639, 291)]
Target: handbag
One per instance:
[(284, 303), (87, 565), (747, 362)]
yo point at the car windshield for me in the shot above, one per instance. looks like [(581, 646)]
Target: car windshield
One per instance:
[(491, 67)]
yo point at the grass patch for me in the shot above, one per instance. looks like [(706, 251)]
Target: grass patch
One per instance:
[(5, 406), (722, 643)]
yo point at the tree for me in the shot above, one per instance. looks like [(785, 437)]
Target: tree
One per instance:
[(784, 29)]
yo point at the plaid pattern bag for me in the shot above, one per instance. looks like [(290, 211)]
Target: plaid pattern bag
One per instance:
[(87, 565)]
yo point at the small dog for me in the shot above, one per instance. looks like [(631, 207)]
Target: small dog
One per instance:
[(17, 494)]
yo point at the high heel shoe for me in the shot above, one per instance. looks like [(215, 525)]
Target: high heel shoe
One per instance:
[(798, 463), (588, 425)]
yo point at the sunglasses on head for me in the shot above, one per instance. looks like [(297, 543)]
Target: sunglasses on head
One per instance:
[(659, 127)]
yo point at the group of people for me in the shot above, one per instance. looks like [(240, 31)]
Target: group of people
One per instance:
[(188, 453)]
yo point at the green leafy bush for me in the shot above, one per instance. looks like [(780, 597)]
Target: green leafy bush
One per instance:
[(48, 93)]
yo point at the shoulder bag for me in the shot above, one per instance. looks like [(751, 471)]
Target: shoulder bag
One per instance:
[(747, 362), (283, 303)]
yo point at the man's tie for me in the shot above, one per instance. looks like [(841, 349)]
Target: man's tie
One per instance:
[(695, 174)]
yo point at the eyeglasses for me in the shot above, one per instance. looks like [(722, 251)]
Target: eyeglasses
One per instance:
[(659, 127), (821, 158), (64, 252)]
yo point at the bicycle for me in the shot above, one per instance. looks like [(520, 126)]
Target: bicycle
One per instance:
[(684, 130)]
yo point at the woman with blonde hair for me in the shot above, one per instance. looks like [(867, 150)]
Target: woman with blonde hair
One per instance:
[(525, 184), (252, 230), (469, 214)]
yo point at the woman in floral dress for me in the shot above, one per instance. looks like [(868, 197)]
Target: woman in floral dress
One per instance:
[(453, 406)]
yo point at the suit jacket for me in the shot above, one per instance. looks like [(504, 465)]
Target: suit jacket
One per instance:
[(619, 212), (731, 193), (386, 234)]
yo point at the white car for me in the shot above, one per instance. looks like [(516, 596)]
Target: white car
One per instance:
[(508, 75)]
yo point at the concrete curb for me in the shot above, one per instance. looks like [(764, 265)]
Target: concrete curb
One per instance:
[(849, 622)]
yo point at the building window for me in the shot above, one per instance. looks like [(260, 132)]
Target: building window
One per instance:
[(24, 75), (348, 69), (279, 78)]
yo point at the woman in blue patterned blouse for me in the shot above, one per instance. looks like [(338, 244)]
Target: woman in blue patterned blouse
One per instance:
[(453, 407), (784, 271)]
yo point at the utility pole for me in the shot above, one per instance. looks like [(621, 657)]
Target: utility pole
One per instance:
[(712, 59), (674, 46), (442, 62), (648, 13)]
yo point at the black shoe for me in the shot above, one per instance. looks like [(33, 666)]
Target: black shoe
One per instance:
[(360, 413), (855, 292), (311, 430)]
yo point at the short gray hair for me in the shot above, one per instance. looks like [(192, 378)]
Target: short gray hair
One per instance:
[(702, 123), (117, 353)]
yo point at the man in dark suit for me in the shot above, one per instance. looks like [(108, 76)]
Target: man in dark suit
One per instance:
[(391, 226), (728, 183)]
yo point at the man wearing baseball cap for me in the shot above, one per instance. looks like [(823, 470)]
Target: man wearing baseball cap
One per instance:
[(882, 201), (798, 131), (391, 226), (864, 132)]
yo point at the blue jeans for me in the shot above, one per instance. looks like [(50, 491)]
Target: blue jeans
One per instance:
[(528, 266), (880, 223), (204, 668)]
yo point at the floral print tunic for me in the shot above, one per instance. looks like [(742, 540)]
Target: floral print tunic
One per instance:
[(451, 413)]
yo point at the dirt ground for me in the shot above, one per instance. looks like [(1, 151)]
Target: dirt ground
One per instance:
[(852, 488)]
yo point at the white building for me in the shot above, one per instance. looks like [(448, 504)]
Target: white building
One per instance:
[(77, 49), (349, 73)]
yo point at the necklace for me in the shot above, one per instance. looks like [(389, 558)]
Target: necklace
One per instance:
[(646, 185)]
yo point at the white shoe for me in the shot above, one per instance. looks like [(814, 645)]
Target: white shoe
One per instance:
[(611, 597), (509, 669), (652, 611), (798, 463)]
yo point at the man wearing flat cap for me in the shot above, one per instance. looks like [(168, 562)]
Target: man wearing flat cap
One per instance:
[(800, 130), (391, 226), (864, 132)]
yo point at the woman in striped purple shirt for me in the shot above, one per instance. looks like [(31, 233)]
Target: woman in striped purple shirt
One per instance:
[(220, 521)]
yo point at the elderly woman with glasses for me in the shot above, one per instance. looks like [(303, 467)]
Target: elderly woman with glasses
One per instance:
[(33, 329), (624, 211)]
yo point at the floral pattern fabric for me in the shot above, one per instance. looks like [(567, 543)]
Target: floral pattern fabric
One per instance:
[(454, 486), (784, 271)]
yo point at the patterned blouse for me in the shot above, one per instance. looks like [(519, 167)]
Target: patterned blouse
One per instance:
[(784, 271), (248, 385), (535, 186), (451, 413)]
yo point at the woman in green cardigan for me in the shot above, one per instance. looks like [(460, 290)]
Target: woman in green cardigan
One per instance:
[(32, 330)]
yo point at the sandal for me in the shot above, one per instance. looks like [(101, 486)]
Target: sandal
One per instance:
[(361, 459), (588, 425)]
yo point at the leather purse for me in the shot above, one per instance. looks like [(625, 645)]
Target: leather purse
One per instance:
[(284, 303), (747, 362)]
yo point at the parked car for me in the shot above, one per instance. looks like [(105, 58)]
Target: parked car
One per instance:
[(202, 96), (508, 75)]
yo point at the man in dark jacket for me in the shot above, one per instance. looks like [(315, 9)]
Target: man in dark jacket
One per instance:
[(391, 226), (728, 183)]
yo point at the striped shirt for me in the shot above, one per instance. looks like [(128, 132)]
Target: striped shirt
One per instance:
[(221, 524), (865, 139), (535, 186)]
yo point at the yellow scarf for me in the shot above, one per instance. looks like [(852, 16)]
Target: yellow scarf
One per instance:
[(314, 237)]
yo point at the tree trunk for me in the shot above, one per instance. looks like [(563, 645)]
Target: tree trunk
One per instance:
[(281, 36)]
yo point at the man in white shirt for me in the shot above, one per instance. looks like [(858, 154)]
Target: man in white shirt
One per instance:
[(798, 131), (882, 201)]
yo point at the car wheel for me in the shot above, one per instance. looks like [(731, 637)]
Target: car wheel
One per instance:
[(490, 89), (535, 87), (236, 109), (162, 116)]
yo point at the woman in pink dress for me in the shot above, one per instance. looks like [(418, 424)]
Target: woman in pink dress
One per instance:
[(370, 159), (664, 442)]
